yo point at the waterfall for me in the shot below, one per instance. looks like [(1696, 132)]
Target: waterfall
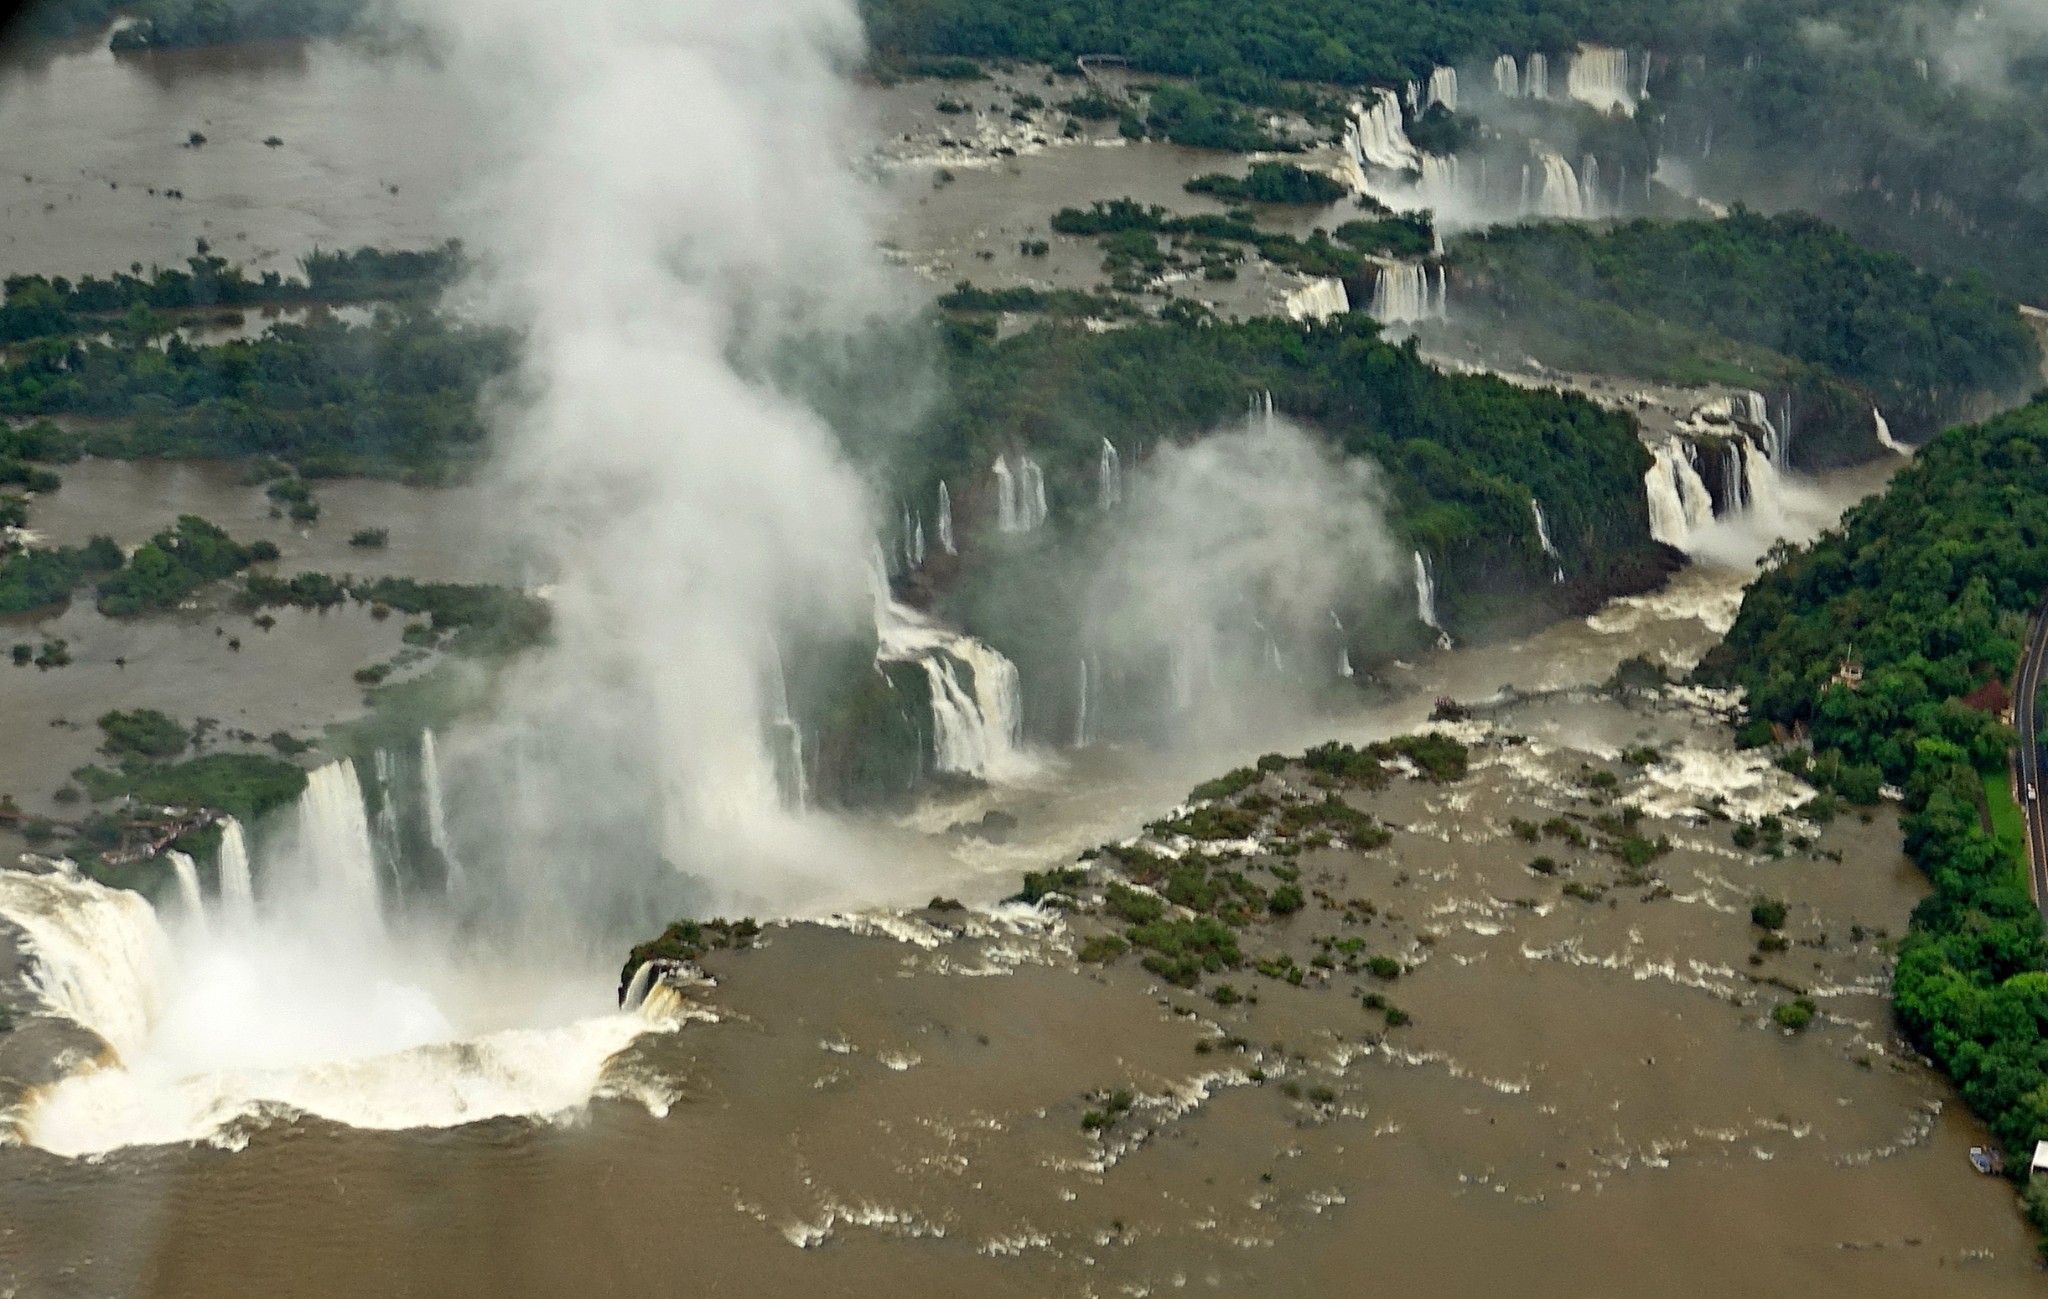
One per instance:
[(1377, 138), (795, 782), (189, 897), (1763, 490), (1343, 647), (437, 808), (1507, 78), (636, 991), (1527, 192), (917, 543), (1031, 508), (1560, 196), (977, 731), (1443, 88), (1109, 476), (1884, 434), (1261, 412), (1425, 599), (1736, 477), (1081, 714), (237, 888), (1401, 294), (1318, 300), (334, 846), (1599, 76), (946, 520), (1006, 496), (1679, 502), (93, 955), (1543, 540), (1537, 84), (909, 552), (1443, 293), (1441, 183), (1589, 185)]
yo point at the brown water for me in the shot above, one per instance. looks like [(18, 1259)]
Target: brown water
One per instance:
[(1590, 1100)]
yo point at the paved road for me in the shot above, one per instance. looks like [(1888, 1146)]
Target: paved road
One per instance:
[(2026, 689)]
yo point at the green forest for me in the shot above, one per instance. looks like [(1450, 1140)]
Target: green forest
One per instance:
[(1693, 301), (1928, 587)]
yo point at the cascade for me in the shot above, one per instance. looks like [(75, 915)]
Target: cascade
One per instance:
[(917, 543), (1401, 294), (1738, 480), (977, 731), (1109, 476), (1589, 185), (1507, 78), (1343, 647), (1884, 434), (1006, 497), (1262, 412), (1763, 489), (1377, 137), (93, 954), (1527, 190), (636, 991), (437, 808), (1425, 599), (334, 846), (1318, 300), (946, 520), (1543, 539), (1643, 84), (1599, 76), (1081, 714), (1537, 84), (387, 812), (1031, 509), (794, 778), (1560, 196), (1440, 175), (237, 887), (1443, 88), (909, 558), (1411, 94), (1443, 293), (1692, 490), (189, 896)]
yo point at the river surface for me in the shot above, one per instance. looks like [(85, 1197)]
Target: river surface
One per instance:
[(1591, 1098)]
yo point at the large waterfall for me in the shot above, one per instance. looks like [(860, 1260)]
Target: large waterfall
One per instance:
[(978, 725), (1109, 476), (334, 847), (1600, 77), (1377, 137), (1409, 291), (1020, 495), (190, 899), (1536, 85), (95, 954), (1318, 300), (1560, 195), (1680, 504), (437, 809), (1884, 434), (1443, 89), (1425, 599), (1543, 540), (1507, 78), (237, 886)]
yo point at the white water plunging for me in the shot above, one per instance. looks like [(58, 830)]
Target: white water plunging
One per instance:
[(977, 729), (94, 954), (1377, 137), (1443, 89), (190, 899), (335, 856), (1680, 505), (1425, 599), (1402, 294), (1884, 435), (1109, 476), (237, 888), (437, 809), (946, 520), (1560, 195), (1031, 507), (1081, 713), (1537, 84), (1599, 76), (1318, 300), (1507, 78), (1543, 539), (1006, 497), (1343, 647)]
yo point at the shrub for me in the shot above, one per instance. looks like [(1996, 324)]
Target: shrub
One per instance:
[(1286, 900), (144, 732), (1795, 1014), (1767, 913), (1102, 949), (1383, 967)]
